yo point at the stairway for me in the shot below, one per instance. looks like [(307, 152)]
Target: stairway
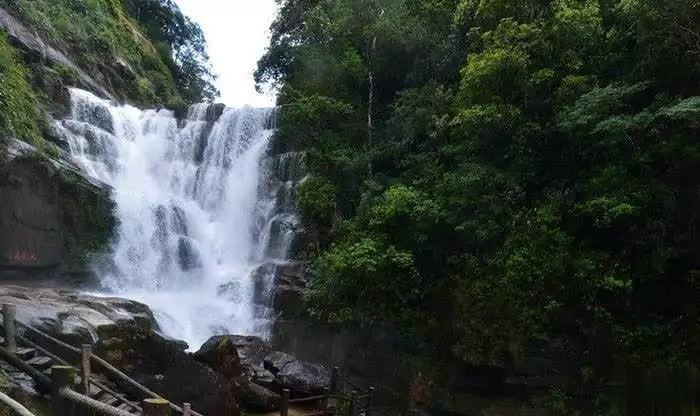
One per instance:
[(37, 360)]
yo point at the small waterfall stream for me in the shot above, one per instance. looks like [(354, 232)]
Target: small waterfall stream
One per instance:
[(201, 206)]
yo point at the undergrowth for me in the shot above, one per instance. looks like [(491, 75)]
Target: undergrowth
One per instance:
[(97, 33), (21, 114)]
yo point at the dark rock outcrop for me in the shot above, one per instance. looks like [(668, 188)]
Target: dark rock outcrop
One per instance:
[(300, 376), (164, 367), (264, 367), (50, 216), (215, 111), (221, 353), (289, 280), (288, 299)]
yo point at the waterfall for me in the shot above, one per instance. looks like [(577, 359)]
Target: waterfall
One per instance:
[(201, 206)]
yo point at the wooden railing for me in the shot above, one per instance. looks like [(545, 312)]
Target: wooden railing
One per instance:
[(15, 407), (60, 384), (334, 401)]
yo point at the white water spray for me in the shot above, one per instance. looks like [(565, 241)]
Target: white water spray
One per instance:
[(196, 208)]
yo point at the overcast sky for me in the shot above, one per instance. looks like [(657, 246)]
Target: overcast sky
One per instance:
[(237, 34)]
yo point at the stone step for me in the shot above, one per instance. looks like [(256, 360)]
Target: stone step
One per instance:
[(94, 391), (109, 400), (25, 354), (40, 362)]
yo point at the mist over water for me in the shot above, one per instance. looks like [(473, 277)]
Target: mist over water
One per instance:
[(198, 206)]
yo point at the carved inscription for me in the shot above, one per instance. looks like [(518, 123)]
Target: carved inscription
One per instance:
[(22, 256)]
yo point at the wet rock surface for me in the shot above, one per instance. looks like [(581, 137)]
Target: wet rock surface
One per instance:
[(289, 279), (261, 371), (76, 317), (301, 376)]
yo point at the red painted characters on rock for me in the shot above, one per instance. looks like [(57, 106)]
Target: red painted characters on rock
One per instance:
[(22, 256)]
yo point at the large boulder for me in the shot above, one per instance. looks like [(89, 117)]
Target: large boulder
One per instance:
[(266, 367), (251, 353), (297, 375), (75, 317), (222, 355), (162, 366)]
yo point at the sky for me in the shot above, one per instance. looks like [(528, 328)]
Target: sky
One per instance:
[(237, 33)]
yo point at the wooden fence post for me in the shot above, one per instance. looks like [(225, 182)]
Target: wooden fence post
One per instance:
[(370, 401), (85, 369), (352, 407), (334, 380), (61, 377), (285, 403), (186, 409), (9, 313), (326, 400), (156, 407)]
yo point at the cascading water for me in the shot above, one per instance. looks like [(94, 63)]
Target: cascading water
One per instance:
[(198, 206)]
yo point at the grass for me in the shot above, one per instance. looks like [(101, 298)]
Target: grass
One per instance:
[(94, 33), (21, 112)]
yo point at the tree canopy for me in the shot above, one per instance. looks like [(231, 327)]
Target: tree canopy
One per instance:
[(487, 174)]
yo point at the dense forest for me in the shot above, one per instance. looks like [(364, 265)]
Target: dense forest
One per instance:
[(491, 174)]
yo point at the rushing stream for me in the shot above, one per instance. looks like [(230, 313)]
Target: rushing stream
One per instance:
[(200, 204)]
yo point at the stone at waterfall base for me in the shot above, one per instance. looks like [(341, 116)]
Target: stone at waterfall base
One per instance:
[(261, 371), (124, 333)]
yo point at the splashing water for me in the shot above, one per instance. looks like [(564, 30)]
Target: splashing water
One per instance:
[(197, 209)]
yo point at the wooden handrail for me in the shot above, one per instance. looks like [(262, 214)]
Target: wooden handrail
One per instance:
[(67, 393), (42, 350), (91, 403), (60, 360), (136, 384), (14, 406), (308, 399), (37, 375), (353, 385), (47, 336), (43, 379), (64, 399)]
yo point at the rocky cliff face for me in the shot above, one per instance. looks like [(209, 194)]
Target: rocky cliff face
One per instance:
[(51, 218), (281, 281)]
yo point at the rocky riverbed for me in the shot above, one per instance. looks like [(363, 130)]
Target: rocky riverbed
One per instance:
[(228, 373)]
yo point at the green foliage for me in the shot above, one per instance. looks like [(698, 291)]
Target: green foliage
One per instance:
[(20, 113), (365, 280), (181, 45), (531, 174), (98, 33)]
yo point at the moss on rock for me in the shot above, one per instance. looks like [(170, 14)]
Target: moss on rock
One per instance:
[(21, 113), (102, 40)]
